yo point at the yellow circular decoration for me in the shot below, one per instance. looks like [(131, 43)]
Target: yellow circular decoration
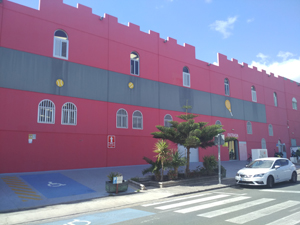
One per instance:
[(131, 85), (59, 82)]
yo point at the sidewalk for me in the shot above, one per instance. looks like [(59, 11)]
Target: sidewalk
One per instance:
[(83, 191)]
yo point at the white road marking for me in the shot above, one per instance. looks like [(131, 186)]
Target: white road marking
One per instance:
[(173, 200), (281, 191), (262, 212), (191, 202), (213, 204), (290, 220), (235, 208)]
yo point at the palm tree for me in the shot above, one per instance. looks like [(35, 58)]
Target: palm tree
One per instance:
[(163, 154), (177, 160)]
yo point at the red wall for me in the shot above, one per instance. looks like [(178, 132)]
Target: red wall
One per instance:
[(106, 44)]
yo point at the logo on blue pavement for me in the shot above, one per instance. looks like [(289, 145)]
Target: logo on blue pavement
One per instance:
[(64, 186), (51, 184), (75, 222)]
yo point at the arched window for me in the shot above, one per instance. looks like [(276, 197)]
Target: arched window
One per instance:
[(122, 119), (263, 144), (46, 112), (218, 122), (226, 84), (253, 93), (186, 77), (270, 130), (249, 127), (61, 44), (167, 119), (69, 114), (275, 98), (294, 102), (134, 63), (137, 120)]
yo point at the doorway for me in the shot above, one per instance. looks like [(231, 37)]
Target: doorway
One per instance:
[(233, 150)]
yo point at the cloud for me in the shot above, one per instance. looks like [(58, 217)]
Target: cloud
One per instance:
[(224, 26), (263, 58), (250, 20), (285, 55), (287, 68)]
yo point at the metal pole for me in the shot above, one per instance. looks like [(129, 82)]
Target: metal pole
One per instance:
[(219, 159)]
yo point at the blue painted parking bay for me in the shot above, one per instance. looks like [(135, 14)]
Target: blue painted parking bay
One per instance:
[(55, 185), (105, 218)]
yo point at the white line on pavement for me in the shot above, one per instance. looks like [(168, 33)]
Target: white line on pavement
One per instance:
[(174, 200), (213, 204), (191, 202), (262, 212), (235, 208), (282, 191)]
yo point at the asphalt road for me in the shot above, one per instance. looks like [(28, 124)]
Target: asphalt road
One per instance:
[(235, 205)]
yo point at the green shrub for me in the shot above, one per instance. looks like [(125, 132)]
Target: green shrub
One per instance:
[(112, 175), (209, 164)]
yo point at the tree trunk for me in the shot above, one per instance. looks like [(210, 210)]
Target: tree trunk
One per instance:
[(176, 172), (162, 171), (187, 168)]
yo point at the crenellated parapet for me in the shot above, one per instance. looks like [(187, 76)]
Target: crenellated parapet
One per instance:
[(58, 15)]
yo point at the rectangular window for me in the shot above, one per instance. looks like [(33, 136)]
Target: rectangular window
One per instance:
[(60, 48), (293, 142), (254, 96), (186, 79)]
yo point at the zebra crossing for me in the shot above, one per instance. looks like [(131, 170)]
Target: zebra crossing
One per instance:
[(221, 204)]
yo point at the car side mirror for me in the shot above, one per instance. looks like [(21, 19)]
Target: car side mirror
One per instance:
[(247, 166), (277, 167)]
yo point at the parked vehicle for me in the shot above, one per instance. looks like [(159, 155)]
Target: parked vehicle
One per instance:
[(267, 171)]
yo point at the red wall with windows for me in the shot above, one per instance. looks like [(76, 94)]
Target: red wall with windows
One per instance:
[(106, 44)]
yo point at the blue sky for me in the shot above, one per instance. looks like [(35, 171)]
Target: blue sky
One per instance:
[(261, 33)]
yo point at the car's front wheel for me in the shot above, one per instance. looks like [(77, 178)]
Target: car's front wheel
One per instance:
[(294, 177), (270, 182)]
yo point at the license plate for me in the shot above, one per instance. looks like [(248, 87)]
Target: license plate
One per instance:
[(241, 179)]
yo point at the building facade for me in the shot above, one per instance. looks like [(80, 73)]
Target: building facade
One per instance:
[(78, 90)]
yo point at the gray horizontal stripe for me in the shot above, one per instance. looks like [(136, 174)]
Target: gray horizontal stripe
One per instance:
[(30, 72)]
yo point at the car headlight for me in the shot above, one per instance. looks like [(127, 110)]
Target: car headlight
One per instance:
[(259, 175)]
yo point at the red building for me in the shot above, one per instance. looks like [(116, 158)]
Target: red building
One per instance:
[(79, 91)]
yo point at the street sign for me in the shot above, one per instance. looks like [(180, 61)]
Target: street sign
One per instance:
[(111, 141), (118, 180), (219, 139)]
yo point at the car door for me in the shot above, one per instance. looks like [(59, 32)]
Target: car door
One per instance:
[(278, 173), (285, 169)]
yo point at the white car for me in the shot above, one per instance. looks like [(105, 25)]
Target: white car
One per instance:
[(267, 171)]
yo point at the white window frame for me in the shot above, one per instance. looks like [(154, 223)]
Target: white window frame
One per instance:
[(69, 111), (45, 108), (226, 84), (138, 120), (58, 46), (135, 68), (263, 144), (166, 120), (275, 99), (270, 128), (123, 118), (253, 94), (249, 128), (294, 103), (186, 79)]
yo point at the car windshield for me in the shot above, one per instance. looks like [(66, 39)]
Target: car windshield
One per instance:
[(261, 164)]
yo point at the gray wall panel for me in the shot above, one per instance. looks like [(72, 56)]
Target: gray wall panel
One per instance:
[(30, 72), (145, 92), (24, 71), (255, 112)]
